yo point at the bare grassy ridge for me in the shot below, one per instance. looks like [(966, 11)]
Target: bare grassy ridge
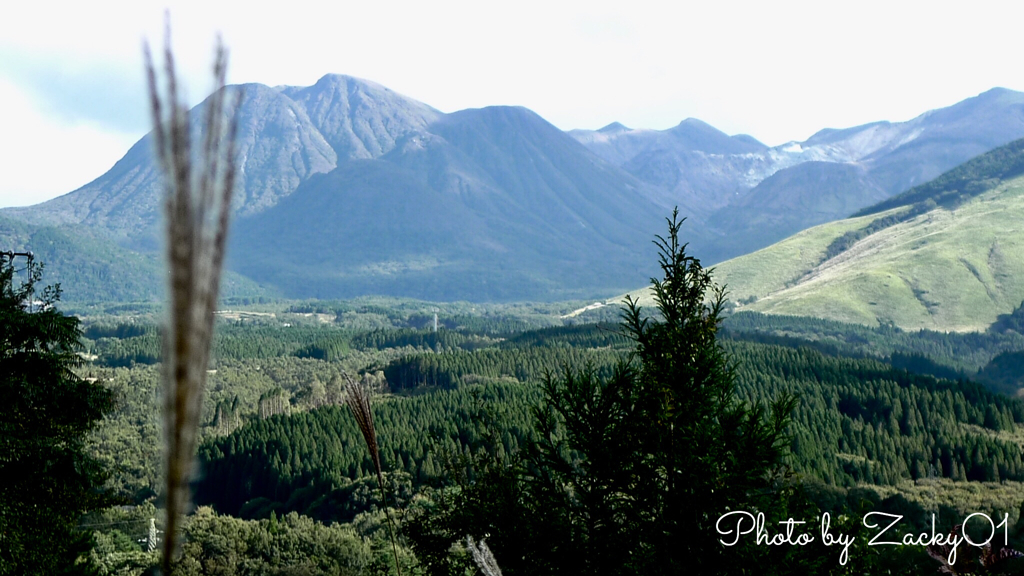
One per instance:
[(953, 270)]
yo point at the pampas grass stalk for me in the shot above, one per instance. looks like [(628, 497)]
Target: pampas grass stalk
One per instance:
[(358, 400), (483, 557), (197, 208)]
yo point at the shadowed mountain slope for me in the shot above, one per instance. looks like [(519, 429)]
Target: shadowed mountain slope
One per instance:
[(792, 200), (489, 204), (90, 267)]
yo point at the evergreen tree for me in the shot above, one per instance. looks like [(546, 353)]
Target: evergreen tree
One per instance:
[(629, 474), (47, 480), (701, 451)]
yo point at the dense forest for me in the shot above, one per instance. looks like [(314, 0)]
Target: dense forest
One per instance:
[(912, 422), (858, 421)]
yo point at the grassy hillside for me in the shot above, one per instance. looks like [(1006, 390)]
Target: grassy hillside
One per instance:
[(942, 269), (947, 255), (774, 268), (93, 268)]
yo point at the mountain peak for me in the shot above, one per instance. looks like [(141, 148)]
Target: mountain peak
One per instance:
[(695, 123), (696, 134), (613, 128), (335, 80), (360, 118), (997, 96)]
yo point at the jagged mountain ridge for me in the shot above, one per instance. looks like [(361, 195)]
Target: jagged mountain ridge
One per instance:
[(286, 135), (852, 168), (500, 184), (394, 197)]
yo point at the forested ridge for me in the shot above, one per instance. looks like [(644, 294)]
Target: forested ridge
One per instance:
[(953, 351), (858, 420)]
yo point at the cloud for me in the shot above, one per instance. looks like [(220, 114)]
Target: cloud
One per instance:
[(103, 94), (43, 157)]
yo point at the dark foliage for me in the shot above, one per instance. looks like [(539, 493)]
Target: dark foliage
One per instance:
[(966, 352), (307, 462), (628, 473), (47, 480), (448, 370), (848, 239), (1012, 322)]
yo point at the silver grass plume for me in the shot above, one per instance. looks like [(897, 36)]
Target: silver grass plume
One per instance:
[(357, 398), (197, 206), (483, 557)]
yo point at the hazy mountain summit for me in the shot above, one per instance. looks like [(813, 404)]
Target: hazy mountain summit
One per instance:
[(754, 195), (286, 135), (702, 167), (493, 201), (358, 118)]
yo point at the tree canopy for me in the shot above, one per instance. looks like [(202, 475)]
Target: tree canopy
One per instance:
[(47, 479), (628, 473)]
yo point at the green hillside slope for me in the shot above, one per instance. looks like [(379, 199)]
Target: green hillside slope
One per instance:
[(947, 255), (93, 268), (942, 269)]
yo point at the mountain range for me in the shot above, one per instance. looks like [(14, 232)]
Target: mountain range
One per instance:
[(349, 188), (947, 255), (753, 195)]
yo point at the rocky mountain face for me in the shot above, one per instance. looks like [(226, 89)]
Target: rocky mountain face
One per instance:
[(494, 202), (347, 188), (285, 136)]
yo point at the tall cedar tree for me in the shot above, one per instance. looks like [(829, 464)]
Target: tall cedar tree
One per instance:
[(699, 452), (47, 480), (629, 474)]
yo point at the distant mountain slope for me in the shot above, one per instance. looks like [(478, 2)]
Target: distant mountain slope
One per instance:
[(286, 135), (701, 166), (794, 199), (963, 182), (278, 147), (754, 195), (92, 268), (619, 144), (941, 265), (348, 188), (489, 204), (934, 142)]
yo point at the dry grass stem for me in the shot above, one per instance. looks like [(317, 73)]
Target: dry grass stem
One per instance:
[(358, 399), (483, 557), (197, 206)]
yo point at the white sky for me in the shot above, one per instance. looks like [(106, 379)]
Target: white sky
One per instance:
[(72, 99)]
